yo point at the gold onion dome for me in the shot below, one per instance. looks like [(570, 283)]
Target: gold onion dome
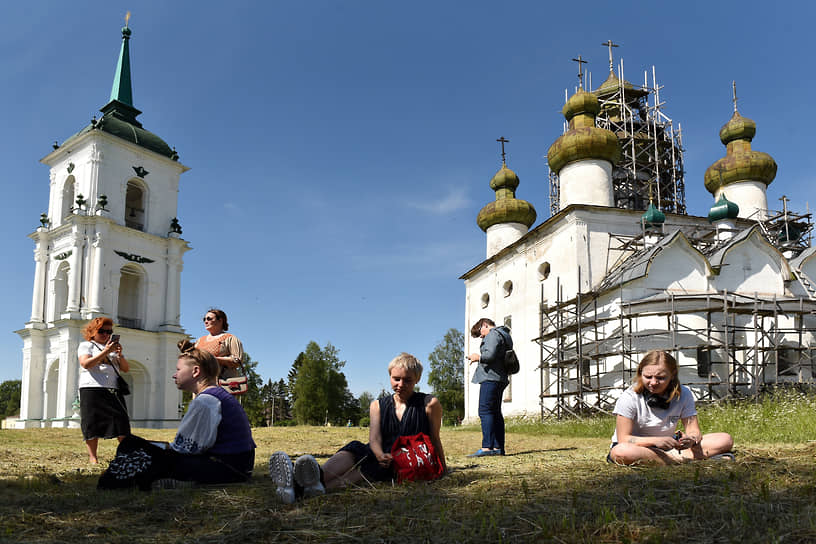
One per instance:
[(506, 208), (583, 140), (740, 163), (613, 84)]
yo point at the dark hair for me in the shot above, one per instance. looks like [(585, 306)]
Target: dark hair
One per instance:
[(93, 326), (655, 357), (203, 360), (221, 317), (475, 330)]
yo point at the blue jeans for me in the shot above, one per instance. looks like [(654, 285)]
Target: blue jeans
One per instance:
[(490, 399)]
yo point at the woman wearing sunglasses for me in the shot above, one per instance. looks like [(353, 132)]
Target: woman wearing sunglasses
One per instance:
[(226, 348), (102, 409)]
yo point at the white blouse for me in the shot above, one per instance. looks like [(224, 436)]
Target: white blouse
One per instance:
[(199, 426)]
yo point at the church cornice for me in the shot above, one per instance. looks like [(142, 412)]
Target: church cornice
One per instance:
[(77, 141)]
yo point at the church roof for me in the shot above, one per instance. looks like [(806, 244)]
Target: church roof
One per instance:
[(119, 114), (638, 264)]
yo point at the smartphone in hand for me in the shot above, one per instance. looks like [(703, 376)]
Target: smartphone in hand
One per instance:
[(115, 338)]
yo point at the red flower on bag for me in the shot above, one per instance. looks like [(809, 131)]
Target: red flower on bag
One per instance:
[(415, 458)]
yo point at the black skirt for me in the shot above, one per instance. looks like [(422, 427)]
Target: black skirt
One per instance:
[(103, 413)]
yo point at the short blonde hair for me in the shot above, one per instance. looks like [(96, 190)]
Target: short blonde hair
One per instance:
[(407, 362)]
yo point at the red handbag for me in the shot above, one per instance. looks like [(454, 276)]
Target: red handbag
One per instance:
[(415, 458)]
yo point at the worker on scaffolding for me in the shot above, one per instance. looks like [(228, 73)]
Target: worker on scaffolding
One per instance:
[(647, 416)]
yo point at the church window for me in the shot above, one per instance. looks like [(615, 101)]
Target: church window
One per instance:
[(507, 288), (543, 271), (485, 300), (135, 205), (67, 204), (61, 289), (703, 362), (131, 294), (787, 362), (508, 322)]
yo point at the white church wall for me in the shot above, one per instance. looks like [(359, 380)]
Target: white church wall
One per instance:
[(753, 266), (750, 196)]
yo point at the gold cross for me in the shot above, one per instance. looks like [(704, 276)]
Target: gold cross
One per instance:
[(610, 45), (503, 141)]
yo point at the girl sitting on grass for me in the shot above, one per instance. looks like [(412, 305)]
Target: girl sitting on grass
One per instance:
[(647, 417)]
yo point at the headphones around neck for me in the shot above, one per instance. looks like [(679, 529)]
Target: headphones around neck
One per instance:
[(656, 401)]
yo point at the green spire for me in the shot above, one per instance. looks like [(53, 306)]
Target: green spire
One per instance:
[(122, 89)]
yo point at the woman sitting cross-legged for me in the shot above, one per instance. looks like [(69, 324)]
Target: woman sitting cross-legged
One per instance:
[(213, 444), (647, 416), (405, 413)]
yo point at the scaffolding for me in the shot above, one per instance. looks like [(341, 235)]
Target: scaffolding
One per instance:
[(651, 161), (734, 345)]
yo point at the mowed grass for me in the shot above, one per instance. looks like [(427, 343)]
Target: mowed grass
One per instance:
[(553, 486)]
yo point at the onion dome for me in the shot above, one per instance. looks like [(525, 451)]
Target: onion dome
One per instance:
[(653, 217), (740, 163), (583, 140), (723, 209), (506, 208), (613, 84)]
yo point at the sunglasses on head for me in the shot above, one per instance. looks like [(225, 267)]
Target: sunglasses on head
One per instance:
[(105, 331)]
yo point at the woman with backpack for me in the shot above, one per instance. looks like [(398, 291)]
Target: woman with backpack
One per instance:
[(491, 374)]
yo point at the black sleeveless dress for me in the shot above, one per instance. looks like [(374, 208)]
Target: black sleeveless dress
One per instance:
[(414, 421)]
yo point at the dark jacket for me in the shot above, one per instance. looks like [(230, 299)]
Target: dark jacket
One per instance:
[(491, 362)]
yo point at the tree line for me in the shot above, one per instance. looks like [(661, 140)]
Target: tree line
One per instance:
[(316, 392)]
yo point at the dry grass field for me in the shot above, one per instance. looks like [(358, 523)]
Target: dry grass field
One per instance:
[(548, 488)]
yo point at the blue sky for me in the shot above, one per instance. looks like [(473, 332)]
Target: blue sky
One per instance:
[(340, 151)]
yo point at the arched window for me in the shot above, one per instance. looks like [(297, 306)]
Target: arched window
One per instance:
[(61, 289), (67, 204), (131, 296), (543, 271), (135, 200)]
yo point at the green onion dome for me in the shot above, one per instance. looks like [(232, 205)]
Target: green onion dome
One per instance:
[(506, 208), (653, 217), (723, 209), (740, 163), (583, 140)]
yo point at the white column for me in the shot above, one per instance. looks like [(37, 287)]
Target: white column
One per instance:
[(173, 298), (75, 273), (95, 285), (38, 296)]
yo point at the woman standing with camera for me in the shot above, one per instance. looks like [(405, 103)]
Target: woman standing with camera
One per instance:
[(102, 409)]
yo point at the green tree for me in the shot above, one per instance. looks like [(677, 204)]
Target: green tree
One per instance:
[(364, 404), (10, 392), (319, 389), (252, 401), (447, 375), (276, 403)]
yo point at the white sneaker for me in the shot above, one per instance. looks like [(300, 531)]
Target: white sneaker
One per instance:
[(307, 475), (282, 473)]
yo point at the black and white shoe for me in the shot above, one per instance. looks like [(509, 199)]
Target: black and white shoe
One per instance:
[(282, 473), (307, 475)]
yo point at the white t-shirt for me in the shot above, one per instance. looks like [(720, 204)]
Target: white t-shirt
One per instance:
[(648, 421), (101, 375)]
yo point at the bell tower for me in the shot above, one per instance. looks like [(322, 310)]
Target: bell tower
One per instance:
[(110, 244)]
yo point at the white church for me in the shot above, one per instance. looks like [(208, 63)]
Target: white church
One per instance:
[(620, 268), (109, 245)]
